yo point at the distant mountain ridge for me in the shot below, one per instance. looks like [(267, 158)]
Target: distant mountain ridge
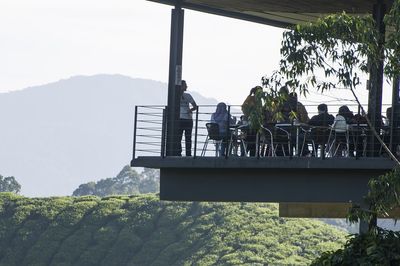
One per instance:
[(57, 136)]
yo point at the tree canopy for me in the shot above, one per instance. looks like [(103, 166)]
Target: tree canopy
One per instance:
[(9, 184), (127, 182)]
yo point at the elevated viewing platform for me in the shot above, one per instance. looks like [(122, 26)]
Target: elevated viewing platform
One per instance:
[(288, 164), (292, 160)]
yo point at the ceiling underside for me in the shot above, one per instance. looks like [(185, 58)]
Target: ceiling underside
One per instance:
[(280, 13)]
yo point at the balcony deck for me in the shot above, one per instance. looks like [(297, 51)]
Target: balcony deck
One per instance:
[(360, 163), (284, 179), (270, 179)]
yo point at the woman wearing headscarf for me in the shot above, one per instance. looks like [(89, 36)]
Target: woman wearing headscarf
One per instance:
[(221, 117)]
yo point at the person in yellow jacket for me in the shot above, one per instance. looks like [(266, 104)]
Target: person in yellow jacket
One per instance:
[(247, 108)]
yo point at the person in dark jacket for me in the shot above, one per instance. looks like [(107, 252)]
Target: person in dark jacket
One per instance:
[(321, 123)]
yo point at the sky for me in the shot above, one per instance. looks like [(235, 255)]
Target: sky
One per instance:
[(45, 40)]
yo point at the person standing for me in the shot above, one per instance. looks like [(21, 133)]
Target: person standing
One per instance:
[(187, 106)]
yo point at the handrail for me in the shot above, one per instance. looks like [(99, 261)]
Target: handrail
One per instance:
[(150, 126)]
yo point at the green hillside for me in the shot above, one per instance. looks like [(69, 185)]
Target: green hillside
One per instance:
[(141, 230)]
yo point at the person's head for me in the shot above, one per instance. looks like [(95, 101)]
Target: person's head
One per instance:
[(344, 111), (254, 90), (293, 95), (183, 85), (221, 108), (389, 113), (322, 108), (284, 91)]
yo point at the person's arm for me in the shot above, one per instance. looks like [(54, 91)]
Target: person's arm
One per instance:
[(193, 103)]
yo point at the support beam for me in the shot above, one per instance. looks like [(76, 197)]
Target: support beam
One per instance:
[(323, 210), (265, 185), (376, 81), (394, 115), (175, 79), (314, 210)]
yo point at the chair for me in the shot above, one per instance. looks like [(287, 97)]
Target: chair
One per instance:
[(238, 140), (266, 141), (282, 141), (358, 134), (338, 137), (319, 137), (212, 135)]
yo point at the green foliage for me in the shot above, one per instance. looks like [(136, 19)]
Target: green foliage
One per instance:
[(373, 248), (341, 47), (9, 184), (127, 182), (337, 45), (141, 230), (382, 197)]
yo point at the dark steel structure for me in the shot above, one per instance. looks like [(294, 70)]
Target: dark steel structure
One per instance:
[(275, 179), (287, 180)]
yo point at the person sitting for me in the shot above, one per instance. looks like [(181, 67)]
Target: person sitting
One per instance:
[(323, 119), (301, 116), (320, 130), (301, 111), (287, 106), (346, 113), (348, 116), (221, 117), (392, 127)]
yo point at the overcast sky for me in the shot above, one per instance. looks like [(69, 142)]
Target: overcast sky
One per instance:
[(47, 40)]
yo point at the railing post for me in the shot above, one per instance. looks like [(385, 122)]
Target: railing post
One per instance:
[(290, 141), (134, 133), (228, 122), (195, 132), (258, 145), (163, 130)]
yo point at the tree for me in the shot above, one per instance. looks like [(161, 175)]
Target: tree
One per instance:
[(9, 184), (150, 181), (85, 189), (342, 47), (127, 182)]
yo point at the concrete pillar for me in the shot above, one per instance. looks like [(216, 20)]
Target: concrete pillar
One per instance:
[(376, 82), (175, 79)]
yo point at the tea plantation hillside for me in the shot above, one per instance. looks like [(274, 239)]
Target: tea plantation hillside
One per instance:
[(141, 230)]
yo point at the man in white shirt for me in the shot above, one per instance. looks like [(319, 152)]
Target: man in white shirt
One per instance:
[(185, 120)]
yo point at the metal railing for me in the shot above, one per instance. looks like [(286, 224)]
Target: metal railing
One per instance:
[(275, 139)]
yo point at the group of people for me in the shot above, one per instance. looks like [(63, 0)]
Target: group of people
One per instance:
[(288, 110)]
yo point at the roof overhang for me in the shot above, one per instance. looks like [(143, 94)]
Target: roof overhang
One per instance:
[(283, 13)]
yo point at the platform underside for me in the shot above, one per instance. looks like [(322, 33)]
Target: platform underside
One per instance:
[(278, 179)]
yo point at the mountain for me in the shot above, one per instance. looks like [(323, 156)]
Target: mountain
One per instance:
[(142, 230), (57, 136)]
